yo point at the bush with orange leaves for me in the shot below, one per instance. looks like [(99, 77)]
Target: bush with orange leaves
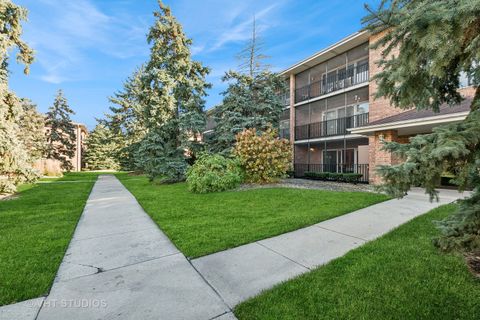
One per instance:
[(264, 157)]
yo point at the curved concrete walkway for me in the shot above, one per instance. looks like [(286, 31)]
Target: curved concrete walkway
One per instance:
[(119, 264)]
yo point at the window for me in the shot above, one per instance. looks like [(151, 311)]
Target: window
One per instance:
[(362, 108)]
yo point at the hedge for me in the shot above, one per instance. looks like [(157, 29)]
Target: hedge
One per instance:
[(334, 176)]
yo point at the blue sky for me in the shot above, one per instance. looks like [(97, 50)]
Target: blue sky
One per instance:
[(89, 47)]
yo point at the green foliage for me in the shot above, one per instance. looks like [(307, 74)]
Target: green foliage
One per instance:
[(32, 130), (249, 102), (125, 121), (425, 48), (15, 160), (252, 99), (334, 176), (101, 148), (172, 87), (160, 157), (61, 135), (212, 173), (264, 157), (11, 17)]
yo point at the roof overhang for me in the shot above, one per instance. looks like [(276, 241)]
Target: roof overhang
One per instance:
[(340, 47), (427, 121)]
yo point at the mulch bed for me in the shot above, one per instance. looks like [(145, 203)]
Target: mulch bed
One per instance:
[(311, 184)]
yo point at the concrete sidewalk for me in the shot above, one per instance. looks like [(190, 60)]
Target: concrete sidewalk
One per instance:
[(240, 273), (119, 265)]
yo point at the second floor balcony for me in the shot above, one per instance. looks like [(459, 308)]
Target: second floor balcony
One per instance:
[(334, 80), (329, 128)]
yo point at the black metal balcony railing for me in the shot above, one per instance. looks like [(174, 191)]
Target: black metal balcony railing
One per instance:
[(330, 128), (363, 169), (333, 81)]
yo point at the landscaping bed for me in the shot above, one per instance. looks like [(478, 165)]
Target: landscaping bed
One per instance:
[(299, 183), (334, 176), (201, 224), (35, 230), (398, 276)]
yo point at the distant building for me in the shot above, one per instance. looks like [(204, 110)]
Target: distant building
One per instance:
[(53, 167), (81, 133)]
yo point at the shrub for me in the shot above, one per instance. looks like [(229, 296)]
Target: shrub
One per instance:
[(334, 176), (264, 157), (352, 177), (212, 173)]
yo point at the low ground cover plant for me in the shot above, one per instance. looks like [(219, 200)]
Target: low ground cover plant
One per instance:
[(213, 173)]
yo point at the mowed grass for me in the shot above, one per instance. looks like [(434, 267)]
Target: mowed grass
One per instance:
[(399, 276), (35, 230), (207, 223)]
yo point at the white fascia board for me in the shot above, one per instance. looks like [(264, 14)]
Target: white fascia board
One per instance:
[(338, 138), (454, 117)]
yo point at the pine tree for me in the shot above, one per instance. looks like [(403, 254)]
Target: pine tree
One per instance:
[(101, 148), (252, 99), (61, 135), (15, 162), (173, 87), (437, 41), (125, 121), (32, 130)]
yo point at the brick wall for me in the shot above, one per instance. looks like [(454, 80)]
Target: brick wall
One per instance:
[(379, 108), (377, 156)]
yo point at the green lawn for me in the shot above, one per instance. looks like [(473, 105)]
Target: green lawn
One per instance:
[(399, 276), (207, 223), (35, 230)]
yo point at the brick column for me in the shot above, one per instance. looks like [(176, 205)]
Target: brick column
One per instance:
[(377, 156)]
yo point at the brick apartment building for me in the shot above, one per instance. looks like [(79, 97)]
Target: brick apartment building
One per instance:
[(332, 119)]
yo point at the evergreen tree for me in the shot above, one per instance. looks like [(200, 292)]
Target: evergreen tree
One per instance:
[(32, 130), (61, 135), (252, 99), (125, 121), (101, 148), (173, 87), (437, 41), (15, 162)]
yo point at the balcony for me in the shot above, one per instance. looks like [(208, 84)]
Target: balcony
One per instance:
[(333, 81), (329, 128)]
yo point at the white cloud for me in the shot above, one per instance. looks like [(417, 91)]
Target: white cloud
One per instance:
[(243, 31), (65, 40)]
